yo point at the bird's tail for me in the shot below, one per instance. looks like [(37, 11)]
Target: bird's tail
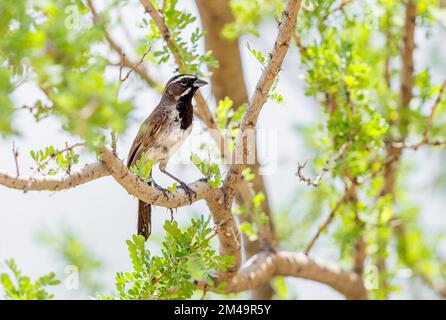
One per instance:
[(144, 219)]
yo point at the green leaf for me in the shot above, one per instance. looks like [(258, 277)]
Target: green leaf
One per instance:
[(19, 287), (249, 230)]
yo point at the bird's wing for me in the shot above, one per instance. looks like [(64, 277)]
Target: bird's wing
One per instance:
[(147, 135)]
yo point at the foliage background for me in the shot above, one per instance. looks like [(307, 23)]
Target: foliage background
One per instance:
[(102, 215)]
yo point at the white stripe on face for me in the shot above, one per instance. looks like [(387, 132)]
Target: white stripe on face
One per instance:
[(186, 92), (183, 77)]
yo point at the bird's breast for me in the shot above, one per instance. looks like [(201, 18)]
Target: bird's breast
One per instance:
[(169, 141)]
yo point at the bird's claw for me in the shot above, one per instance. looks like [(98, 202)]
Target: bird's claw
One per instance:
[(191, 194), (164, 191)]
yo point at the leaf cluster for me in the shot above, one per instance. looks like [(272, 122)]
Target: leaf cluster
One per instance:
[(16, 286), (186, 256)]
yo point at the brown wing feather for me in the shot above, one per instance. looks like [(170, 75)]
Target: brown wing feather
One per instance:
[(146, 136)]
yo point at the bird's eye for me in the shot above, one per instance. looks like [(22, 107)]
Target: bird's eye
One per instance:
[(184, 82)]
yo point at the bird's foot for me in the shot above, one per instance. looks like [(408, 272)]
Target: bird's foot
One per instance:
[(164, 191), (191, 194), (204, 179)]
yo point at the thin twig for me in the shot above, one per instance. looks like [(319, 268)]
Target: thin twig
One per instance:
[(430, 119), (339, 7), (15, 152), (426, 134), (58, 152), (416, 146), (114, 141), (329, 219), (39, 112), (121, 66), (299, 44), (68, 171), (32, 108), (328, 167), (134, 67)]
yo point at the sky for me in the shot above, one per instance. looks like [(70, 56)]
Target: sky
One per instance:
[(103, 215)]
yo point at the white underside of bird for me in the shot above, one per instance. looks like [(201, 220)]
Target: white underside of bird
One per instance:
[(169, 141)]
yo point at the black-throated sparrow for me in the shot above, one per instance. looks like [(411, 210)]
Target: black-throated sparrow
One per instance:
[(163, 132)]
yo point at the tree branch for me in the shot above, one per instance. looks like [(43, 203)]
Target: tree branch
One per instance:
[(229, 239), (110, 165), (234, 176), (265, 265), (54, 183), (228, 80), (394, 154), (138, 188), (407, 71), (407, 80), (269, 74)]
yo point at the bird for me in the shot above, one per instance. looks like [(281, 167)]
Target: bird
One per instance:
[(162, 133)]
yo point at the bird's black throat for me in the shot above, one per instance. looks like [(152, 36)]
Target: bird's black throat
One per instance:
[(186, 110)]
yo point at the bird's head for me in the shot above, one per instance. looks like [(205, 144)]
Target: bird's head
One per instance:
[(183, 86)]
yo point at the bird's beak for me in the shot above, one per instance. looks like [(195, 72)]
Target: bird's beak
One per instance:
[(199, 83)]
